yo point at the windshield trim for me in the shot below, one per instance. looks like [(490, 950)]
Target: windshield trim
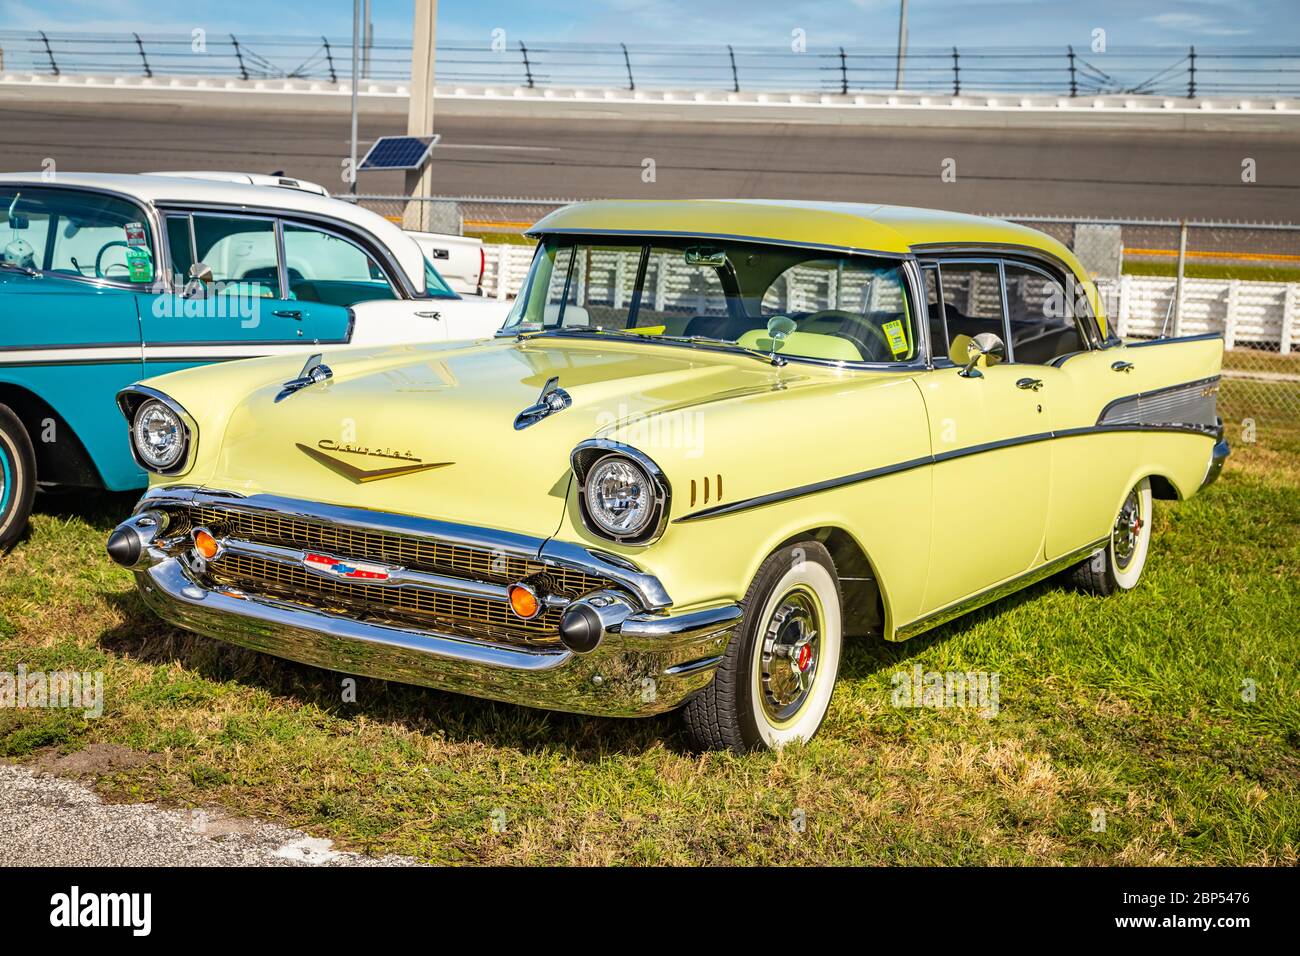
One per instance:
[(720, 236)]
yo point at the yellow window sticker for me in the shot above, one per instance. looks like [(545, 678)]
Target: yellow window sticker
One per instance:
[(894, 334)]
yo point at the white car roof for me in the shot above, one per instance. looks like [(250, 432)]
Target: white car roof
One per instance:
[(252, 179), (174, 189)]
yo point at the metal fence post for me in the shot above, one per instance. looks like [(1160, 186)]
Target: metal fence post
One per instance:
[(54, 67), (1290, 305), (1178, 280), (956, 74), (1191, 73), (1074, 80), (329, 60), (243, 72), (528, 70), (143, 59), (1230, 317), (844, 74), (735, 77), (627, 62)]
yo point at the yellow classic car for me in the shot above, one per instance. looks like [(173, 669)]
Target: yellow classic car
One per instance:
[(713, 439)]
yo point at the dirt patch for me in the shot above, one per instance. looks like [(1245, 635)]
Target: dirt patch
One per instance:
[(94, 760)]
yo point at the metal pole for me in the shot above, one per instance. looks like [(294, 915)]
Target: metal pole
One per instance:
[(356, 55), (1074, 82), (1178, 282), (735, 77), (1191, 73), (902, 44), (369, 41), (419, 113), (844, 74), (627, 62)]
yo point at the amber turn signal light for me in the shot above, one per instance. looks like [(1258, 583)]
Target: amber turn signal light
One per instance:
[(524, 601), (205, 545)]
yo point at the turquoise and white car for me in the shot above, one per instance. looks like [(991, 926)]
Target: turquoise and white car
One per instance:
[(109, 279)]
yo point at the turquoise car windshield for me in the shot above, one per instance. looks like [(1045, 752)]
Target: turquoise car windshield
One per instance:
[(436, 284), (798, 302)]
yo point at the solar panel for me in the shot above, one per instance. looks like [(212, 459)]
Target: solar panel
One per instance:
[(399, 152)]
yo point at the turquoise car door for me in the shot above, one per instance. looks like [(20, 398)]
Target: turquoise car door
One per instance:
[(73, 345), (248, 307)]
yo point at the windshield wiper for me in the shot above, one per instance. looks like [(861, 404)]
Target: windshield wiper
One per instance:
[(770, 358), (25, 270)]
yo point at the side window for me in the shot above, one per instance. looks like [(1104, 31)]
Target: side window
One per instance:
[(240, 251), (1042, 325), (324, 267), (971, 294), (76, 233)]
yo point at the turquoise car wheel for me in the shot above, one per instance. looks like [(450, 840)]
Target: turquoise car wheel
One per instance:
[(17, 477)]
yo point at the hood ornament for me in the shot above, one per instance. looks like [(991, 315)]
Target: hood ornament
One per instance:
[(553, 399), (313, 371)]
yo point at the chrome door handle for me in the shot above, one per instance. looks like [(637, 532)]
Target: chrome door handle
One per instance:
[(287, 314), (1121, 366), (428, 315), (1031, 383)]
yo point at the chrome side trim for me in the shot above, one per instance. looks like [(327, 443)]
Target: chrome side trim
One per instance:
[(989, 595), (778, 496), (646, 588), (128, 408), (1144, 343)]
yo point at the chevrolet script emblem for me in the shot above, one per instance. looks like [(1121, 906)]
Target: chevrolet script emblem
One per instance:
[(348, 570), (326, 450)]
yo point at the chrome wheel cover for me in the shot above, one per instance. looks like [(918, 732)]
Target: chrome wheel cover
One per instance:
[(790, 654), (1128, 529)]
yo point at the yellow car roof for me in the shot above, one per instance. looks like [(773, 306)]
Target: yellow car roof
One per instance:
[(840, 225)]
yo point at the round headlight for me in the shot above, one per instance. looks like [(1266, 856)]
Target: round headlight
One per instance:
[(621, 499), (159, 436)]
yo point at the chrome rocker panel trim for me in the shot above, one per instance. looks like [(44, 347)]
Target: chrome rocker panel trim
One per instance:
[(652, 665), (945, 614), (646, 588)]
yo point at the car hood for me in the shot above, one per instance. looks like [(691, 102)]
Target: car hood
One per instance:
[(431, 431)]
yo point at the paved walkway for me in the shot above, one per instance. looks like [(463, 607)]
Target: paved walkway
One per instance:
[(54, 821)]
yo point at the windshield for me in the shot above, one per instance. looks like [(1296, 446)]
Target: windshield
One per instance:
[(801, 303)]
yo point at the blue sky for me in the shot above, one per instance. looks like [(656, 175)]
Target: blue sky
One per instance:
[(757, 22)]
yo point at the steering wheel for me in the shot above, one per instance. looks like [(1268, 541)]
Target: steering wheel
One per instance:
[(100, 273), (875, 350)]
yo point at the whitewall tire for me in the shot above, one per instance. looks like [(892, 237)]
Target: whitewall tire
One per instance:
[(776, 679)]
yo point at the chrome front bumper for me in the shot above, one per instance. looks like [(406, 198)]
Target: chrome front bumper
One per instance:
[(650, 663)]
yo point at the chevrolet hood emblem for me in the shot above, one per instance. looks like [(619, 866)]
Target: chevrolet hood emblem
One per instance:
[(327, 451)]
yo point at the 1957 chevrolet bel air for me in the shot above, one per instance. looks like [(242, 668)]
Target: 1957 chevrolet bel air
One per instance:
[(713, 439)]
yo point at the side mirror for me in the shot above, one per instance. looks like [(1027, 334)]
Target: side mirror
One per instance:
[(200, 276), (986, 346)]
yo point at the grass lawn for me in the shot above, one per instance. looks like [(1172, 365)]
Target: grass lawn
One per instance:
[(1133, 706)]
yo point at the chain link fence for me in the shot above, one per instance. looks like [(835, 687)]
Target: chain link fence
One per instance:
[(1157, 277)]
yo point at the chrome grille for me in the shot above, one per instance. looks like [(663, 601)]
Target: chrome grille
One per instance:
[(418, 554), (402, 605), (405, 605)]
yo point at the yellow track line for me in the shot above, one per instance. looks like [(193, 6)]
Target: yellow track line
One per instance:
[(1245, 256)]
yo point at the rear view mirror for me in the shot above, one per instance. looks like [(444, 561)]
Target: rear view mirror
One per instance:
[(710, 257), (985, 349), (200, 276)]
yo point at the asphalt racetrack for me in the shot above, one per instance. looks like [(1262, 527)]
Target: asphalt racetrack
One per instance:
[(1069, 172)]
